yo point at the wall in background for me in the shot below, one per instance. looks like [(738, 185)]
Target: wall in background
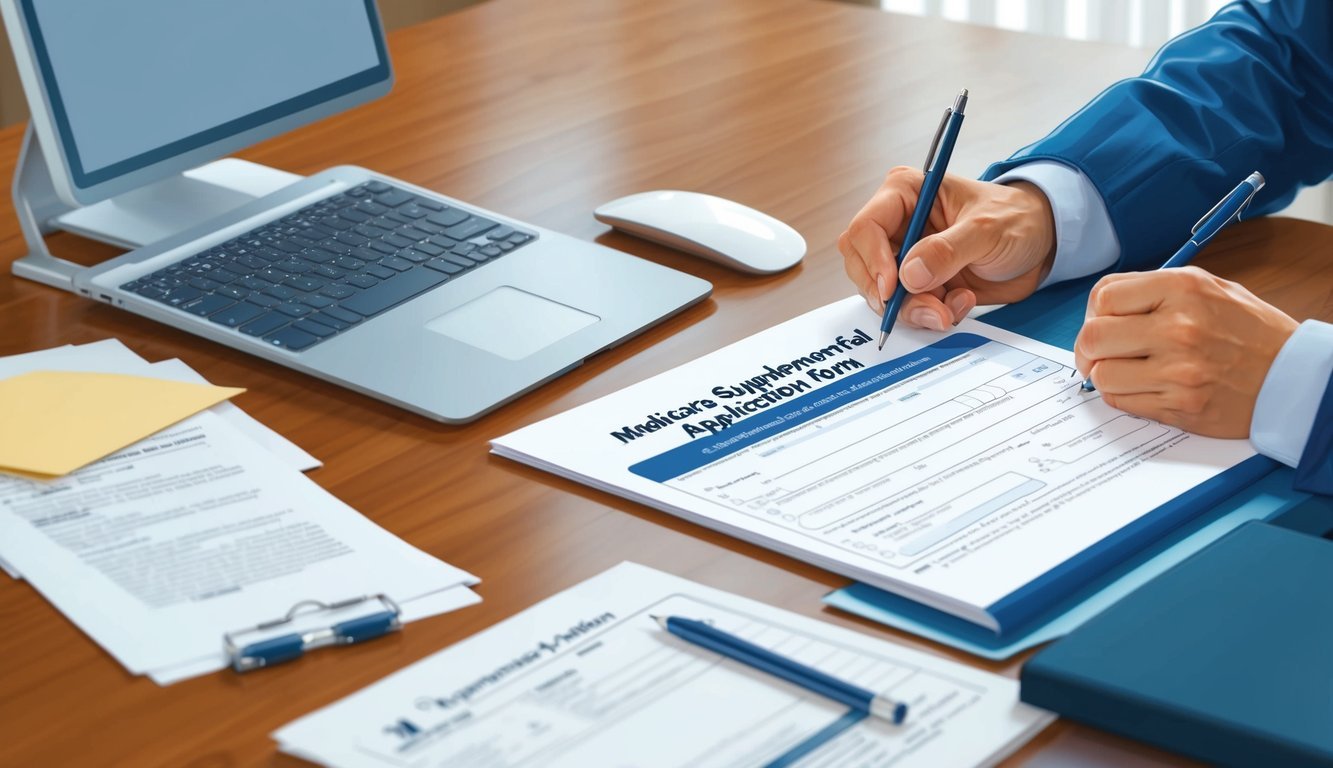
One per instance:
[(1138, 23), (1145, 24), (396, 13)]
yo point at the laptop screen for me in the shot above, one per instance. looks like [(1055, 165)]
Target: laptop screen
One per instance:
[(134, 82)]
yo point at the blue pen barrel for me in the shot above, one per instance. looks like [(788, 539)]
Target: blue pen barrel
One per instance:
[(367, 627), (937, 164), (810, 682), (765, 660), (274, 650)]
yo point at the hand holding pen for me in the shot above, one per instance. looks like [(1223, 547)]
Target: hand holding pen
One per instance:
[(1182, 346), (983, 243), (937, 164), (1227, 210)]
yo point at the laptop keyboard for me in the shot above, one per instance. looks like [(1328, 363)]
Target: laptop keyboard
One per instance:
[(309, 276)]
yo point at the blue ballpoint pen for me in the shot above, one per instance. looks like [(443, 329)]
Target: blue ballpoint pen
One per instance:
[(1227, 210), (937, 163), (809, 678)]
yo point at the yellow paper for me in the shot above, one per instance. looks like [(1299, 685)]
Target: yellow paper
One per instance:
[(53, 422)]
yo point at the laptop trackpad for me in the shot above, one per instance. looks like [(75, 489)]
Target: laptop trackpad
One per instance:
[(510, 323)]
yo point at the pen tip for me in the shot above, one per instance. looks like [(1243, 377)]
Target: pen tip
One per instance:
[(661, 620), (1088, 386), (883, 337)]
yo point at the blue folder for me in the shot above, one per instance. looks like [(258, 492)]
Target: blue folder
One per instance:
[(1087, 584), (1228, 658)]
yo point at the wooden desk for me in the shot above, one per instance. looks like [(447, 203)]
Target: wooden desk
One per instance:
[(544, 110)]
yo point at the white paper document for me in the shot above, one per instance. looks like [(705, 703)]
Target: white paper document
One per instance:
[(112, 356), (284, 450), (966, 471), (587, 678), (158, 549)]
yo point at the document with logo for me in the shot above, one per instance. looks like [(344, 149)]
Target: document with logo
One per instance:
[(965, 471), (588, 678)]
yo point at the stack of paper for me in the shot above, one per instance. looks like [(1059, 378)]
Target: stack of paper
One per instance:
[(205, 527), (588, 678)]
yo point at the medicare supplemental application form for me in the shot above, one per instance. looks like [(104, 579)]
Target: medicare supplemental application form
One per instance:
[(966, 471)]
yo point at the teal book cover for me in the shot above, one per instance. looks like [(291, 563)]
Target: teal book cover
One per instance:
[(1227, 658)]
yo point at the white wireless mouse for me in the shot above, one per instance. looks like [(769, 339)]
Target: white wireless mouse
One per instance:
[(710, 227)]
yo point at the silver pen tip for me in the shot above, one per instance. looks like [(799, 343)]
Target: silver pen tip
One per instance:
[(883, 337), (661, 620), (960, 103)]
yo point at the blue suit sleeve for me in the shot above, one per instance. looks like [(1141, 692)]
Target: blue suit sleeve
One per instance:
[(1314, 474), (1251, 89)]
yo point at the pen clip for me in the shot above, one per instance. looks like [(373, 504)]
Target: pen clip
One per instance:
[(274, 650), (935, 143), (1254, 190)]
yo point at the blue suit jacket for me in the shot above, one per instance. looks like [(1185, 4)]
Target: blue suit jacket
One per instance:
[(1252, 89)]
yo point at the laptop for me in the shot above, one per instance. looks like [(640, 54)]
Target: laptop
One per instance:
[(389, 289)]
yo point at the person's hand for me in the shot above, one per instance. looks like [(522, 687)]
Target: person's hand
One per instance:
[(1181, 346), (986, 243)]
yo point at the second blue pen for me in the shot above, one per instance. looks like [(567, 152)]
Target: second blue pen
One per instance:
[(809, 678), (937, 164)]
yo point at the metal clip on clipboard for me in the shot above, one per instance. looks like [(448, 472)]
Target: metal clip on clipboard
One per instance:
[(275, 650)]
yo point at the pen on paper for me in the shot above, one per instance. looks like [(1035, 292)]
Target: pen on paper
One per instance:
[(936, 165), (707, 636), (1227, 210)]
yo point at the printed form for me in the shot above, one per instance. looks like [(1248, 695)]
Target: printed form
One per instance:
[(589, 678), (112, 356), (953, 470), (158, 549)]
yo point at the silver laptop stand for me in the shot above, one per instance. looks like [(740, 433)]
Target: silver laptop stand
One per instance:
[(130, 220)]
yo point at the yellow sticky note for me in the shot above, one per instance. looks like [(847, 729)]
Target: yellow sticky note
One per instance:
[(53, 422)]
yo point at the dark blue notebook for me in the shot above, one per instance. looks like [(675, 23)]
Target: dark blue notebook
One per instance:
[(1227, 658)]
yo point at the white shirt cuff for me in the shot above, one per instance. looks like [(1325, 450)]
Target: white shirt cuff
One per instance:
[(1292, 391), (1085, 240)]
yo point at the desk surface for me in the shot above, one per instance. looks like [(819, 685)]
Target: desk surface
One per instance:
[(544, 110)]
